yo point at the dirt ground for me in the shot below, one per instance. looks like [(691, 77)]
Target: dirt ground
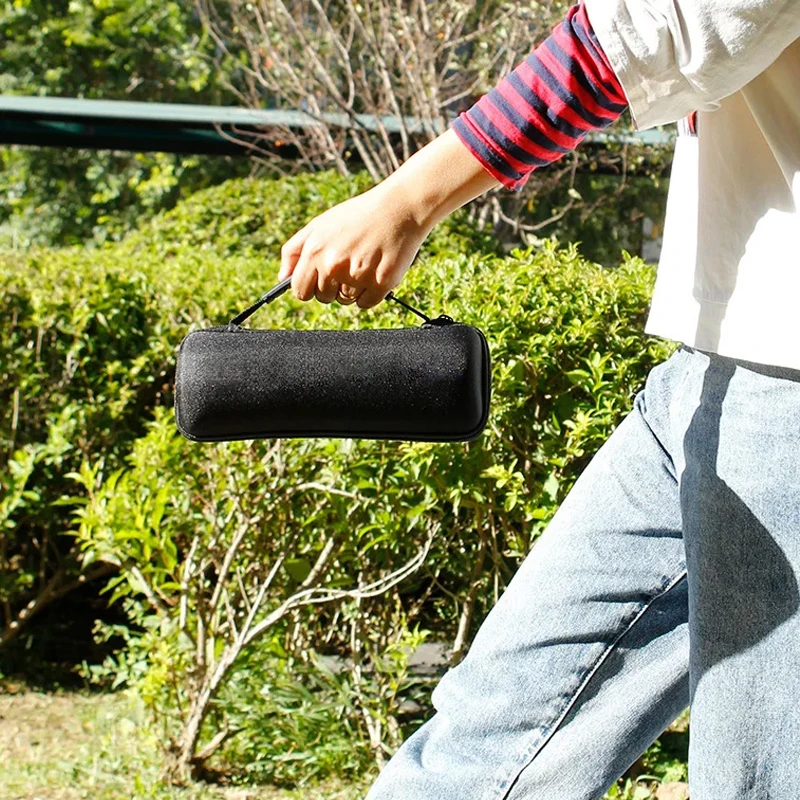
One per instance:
[(38, 734)]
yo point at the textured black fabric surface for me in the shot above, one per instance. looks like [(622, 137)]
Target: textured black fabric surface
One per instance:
[(430, 384)]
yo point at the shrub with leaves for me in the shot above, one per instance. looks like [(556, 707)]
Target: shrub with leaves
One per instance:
[(241, 563), (346, 547), (87, 354)]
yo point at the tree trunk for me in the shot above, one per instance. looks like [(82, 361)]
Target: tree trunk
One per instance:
[(187, 761)]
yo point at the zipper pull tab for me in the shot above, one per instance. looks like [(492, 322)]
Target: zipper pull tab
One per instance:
[(440, 321)]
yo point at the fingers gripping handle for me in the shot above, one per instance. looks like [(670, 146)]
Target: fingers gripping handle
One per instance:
[(277, 290)]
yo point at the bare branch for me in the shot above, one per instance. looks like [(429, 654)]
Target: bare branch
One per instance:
[(231, 553), (214, 744), (330, 490), (149, 591), (385, 58), (315, 596), (468, 607), (57, 587), (187, 571)]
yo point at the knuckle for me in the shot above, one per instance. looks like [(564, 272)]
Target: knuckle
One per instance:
[(384, 278), (295, 243), (314, 244), (328, 264), (303, 291), (359, 273)]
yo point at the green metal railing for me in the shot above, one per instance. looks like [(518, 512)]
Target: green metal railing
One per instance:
[(175, 128)]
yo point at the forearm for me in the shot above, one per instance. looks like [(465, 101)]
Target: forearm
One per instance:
[(438, 179), (535, 115)]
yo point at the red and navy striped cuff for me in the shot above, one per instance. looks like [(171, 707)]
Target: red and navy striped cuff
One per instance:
[(545, 107)]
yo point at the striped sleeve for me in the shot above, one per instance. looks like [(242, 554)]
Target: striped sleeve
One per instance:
[(545, 107)]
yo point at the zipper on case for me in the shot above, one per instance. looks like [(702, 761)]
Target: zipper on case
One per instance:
[(438, 322), (441, 321), (229, 327)]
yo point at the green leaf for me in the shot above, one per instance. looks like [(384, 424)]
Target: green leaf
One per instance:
[(297, 568), (550, 486)]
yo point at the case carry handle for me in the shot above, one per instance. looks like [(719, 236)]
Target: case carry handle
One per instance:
[(277, 290)]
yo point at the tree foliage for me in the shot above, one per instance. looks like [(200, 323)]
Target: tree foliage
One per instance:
[(104, 49), (385, 60), (111, 50)]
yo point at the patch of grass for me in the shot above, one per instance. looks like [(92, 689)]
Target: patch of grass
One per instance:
[(74, 746)]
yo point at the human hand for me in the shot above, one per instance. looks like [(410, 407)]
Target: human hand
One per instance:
[(358, 251), (355, 252)]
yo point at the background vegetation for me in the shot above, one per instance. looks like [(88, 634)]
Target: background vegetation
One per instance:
[(288, 582), (319, 57), (143, 50), (239, 566)]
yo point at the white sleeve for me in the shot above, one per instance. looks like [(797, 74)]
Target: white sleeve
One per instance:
[(673, 57)]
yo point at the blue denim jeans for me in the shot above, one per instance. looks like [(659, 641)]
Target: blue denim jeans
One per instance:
[(668, 577)]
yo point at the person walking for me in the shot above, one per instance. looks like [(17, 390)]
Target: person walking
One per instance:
[(669, 575)]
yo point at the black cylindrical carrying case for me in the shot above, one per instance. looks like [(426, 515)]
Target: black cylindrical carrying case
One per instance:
[(429, 383)]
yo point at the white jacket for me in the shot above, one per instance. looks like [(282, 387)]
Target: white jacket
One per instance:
[(729, 275)]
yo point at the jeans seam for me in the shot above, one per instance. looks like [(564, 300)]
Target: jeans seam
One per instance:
[(506, 788)]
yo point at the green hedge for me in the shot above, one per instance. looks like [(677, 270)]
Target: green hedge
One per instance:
[(93, 462)]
